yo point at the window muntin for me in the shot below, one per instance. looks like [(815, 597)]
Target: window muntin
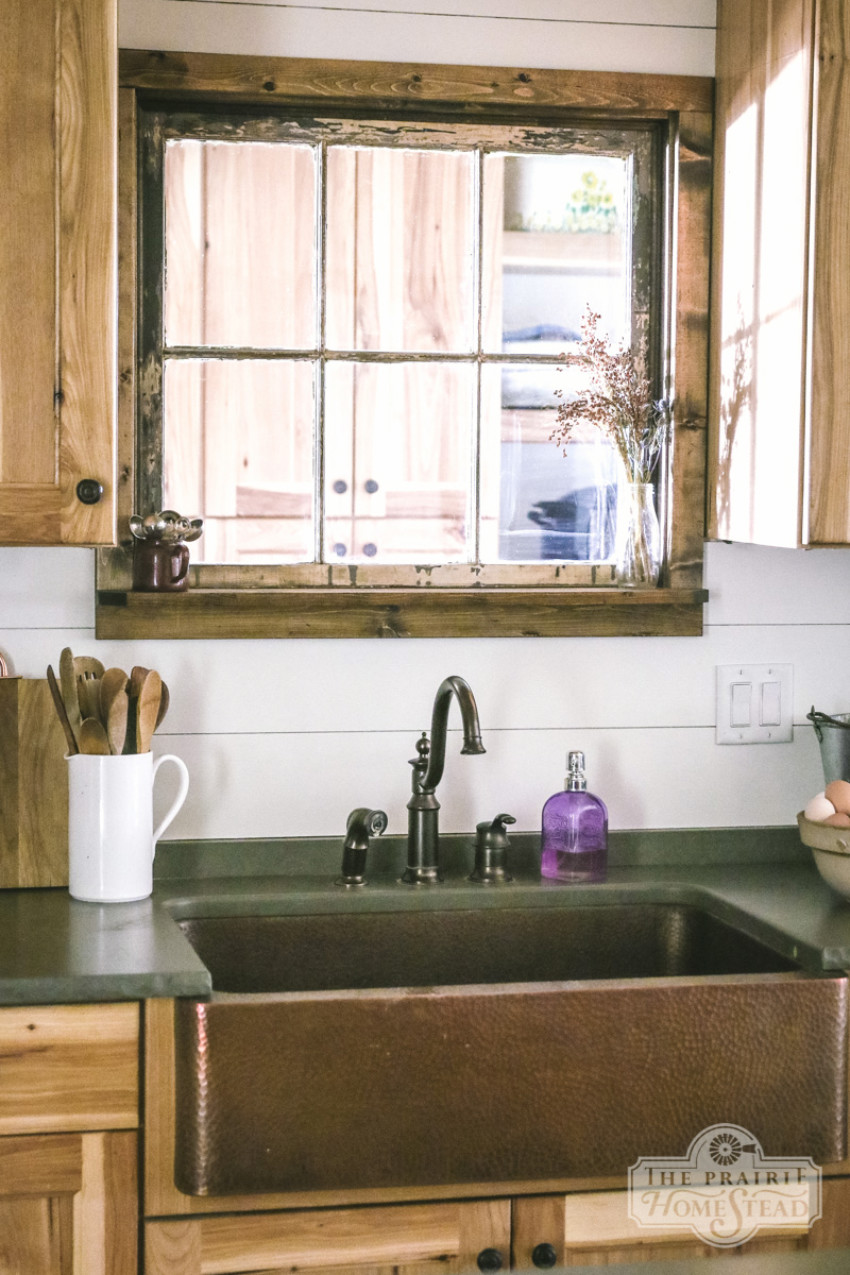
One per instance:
[(431, 396)]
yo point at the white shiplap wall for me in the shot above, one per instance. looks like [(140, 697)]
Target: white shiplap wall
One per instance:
[(284, 738)]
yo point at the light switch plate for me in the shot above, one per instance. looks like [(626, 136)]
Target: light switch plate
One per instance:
[(755, 704)]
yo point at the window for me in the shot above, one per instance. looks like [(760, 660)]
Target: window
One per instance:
[(351, 329)]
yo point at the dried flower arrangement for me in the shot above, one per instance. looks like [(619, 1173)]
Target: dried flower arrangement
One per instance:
[(619, 403)]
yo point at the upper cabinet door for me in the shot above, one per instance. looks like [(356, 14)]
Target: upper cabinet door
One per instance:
[(58, 77), (761, 276), (781, 331)]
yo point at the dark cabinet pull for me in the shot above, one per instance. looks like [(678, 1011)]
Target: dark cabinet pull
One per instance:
[(340, 486), (490, 1259), (544, 1256), (370, 549), (371, 486), (89, 491), (340, 549)]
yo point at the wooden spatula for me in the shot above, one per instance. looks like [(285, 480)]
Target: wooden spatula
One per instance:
[(147, 710), (114, 703)]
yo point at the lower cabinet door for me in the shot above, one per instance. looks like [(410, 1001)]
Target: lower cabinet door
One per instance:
[(593, 1228), (68, 1204), (455, 1236)]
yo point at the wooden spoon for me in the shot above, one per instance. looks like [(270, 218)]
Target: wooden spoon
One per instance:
[(93, 737), (147, 710), (70, 694), (61, 711), (114, 704)]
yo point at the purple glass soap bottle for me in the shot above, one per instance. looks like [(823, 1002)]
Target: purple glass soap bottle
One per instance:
[(575, 830)]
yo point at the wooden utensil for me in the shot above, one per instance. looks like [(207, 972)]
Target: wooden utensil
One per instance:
[(137, 676), (61, 711), (88, 690), (88, 665), (164, 701), (147, 710), (87, 668), (70, 694), (114, 704), (93, 739)]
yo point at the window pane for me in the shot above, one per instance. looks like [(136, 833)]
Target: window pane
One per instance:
[(400, 250), (238, 449), (556, 239), (240, 244), (398, 462), (537, 504)]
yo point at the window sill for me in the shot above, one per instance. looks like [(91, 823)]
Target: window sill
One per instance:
[(417, 613)]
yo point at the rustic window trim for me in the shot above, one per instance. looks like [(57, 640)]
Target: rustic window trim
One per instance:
[(245, 600)]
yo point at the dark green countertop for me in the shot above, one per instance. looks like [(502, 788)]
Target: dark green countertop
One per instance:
[(55, 949)]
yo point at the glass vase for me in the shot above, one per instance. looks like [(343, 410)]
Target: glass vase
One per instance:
[(638, 546)]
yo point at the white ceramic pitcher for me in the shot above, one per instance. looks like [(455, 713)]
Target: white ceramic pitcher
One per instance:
[(111, 837)]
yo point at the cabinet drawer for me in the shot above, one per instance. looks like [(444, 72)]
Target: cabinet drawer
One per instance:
[(69, 1067), (448, 1238)]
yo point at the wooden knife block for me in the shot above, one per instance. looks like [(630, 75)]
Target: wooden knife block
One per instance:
[(33, 787)]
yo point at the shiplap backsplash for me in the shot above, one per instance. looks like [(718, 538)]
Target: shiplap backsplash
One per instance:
[(615, 35), (284, 738)]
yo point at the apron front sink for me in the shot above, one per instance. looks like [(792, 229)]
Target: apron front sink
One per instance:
[(526, 1044)]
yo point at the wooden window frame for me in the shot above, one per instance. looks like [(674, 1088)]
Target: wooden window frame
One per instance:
[(247, 601)]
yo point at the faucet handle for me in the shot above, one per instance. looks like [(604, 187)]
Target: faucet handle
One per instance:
[(491, 851), (361, 824)]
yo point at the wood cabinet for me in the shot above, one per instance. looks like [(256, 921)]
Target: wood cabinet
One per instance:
[(68, 1146), (587, 1228), (450, 1237), (780, 387), (593, 1228), (58, 76)]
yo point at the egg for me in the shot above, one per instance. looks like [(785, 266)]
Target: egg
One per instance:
[(838, 792), (838, 820), (819, 808)]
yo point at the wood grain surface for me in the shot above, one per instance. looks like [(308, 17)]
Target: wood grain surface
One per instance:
[(33, 787)]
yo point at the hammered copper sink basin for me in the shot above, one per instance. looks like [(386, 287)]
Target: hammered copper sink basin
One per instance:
[(417, 1048)]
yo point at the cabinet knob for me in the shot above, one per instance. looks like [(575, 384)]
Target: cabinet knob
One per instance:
[(544, 1256), (340, 486), (490, 1259), (89, 491), (371, 486), (370, 549), (340, 549)]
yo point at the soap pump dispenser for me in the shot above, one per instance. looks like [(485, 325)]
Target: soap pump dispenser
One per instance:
[(575, 830)]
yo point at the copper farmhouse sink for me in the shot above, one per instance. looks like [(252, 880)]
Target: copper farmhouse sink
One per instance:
[(526, 1044)]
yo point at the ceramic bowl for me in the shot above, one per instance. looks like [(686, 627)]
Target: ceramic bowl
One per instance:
[(831, 850)]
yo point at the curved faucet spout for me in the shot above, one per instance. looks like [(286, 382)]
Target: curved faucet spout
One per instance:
[(439, 728), (423, 841)]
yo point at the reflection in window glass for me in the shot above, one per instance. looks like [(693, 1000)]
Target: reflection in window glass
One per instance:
[(400, 249), (399, 462), (240, 230), (537, 504), (238, 443), (555, 241), (362, 342)]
